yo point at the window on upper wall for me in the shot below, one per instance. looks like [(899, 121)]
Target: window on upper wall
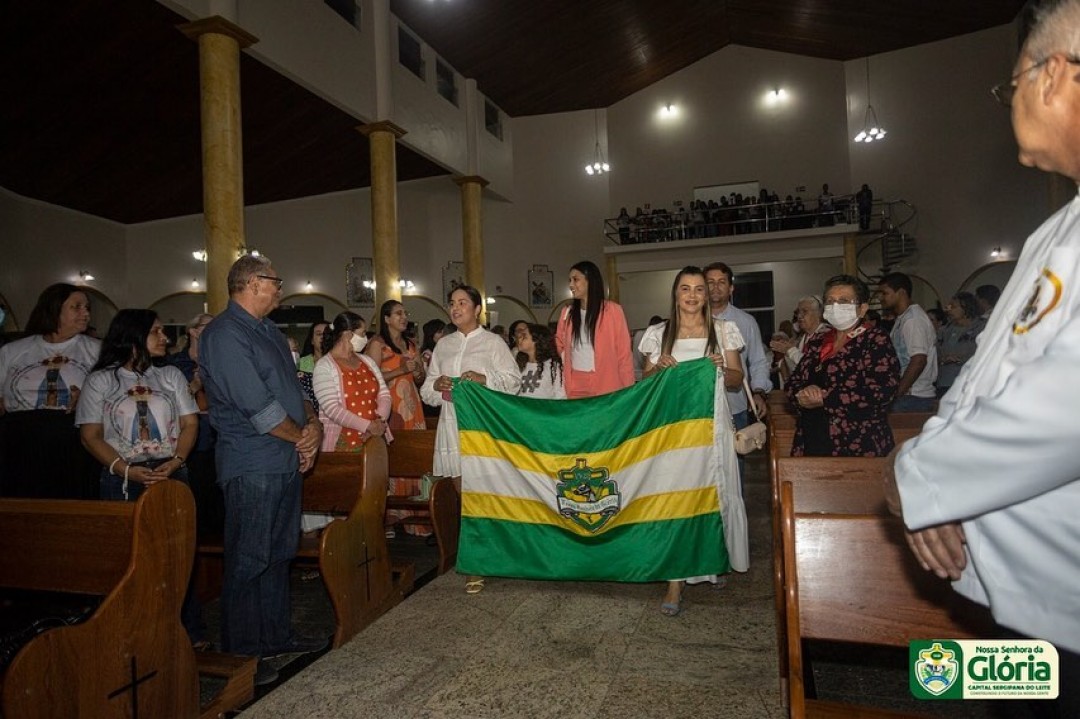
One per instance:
[(349, 10), (493, 119), (445, 82), (409, 52)]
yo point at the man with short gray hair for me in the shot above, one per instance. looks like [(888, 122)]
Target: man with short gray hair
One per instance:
[(267, 435), (990, 490)]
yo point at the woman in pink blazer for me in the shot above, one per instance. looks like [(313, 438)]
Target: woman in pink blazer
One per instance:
[(592, 338)]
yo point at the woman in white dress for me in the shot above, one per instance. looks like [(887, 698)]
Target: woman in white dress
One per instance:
[(691, 333), (472, 354)]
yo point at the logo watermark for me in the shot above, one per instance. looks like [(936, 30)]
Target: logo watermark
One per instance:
[(983, 669)]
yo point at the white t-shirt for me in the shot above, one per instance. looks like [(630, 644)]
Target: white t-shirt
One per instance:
[(914, 334), (35, 374), (536, 382), (140, 413), (582, 355)]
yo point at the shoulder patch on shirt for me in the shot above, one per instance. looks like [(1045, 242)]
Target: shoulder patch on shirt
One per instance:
[(1045, 297)]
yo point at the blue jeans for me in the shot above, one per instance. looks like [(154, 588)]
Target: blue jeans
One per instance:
[(262, 533), (741, 420), (910, 403)]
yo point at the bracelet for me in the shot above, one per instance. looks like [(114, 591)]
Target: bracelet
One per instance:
[(113, 465)]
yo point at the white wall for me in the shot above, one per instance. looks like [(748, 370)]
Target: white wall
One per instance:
[(726, 131), (949, 151)]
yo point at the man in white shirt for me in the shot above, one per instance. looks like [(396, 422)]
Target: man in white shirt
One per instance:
[(989, 490), (915, 341)]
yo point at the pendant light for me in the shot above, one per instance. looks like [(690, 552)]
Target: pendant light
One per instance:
[(871, 129), (599, 165)]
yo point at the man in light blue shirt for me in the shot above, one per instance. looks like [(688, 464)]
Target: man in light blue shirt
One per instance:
[(721, 283)]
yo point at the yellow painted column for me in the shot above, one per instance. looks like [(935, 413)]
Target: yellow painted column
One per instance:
[(851, 256), (472, 232), (382, 137), (613, 278), (220, 42)]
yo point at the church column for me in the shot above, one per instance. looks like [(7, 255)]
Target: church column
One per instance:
[(613, 277), (472, 233), (220, 42), (851, 255), (382, 137)]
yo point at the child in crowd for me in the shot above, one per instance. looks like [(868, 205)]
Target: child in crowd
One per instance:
[(541, 368)]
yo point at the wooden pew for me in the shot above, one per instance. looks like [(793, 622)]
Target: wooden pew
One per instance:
[(905, 425), (851, 484), (851, 578), (362, 582), (132, 656), (412, 455)]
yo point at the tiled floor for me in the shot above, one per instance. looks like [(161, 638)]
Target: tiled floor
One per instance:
[(597, 650)]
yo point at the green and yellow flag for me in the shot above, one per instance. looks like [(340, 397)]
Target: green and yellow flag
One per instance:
[(622, 487)]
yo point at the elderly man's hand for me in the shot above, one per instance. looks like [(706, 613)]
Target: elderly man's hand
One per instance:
[(940, 549)]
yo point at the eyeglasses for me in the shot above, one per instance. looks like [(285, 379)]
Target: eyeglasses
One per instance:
[(830, 303), (280, 281), (1004, 92)]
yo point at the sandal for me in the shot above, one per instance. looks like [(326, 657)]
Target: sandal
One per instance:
[(671, 609), (474, 586)]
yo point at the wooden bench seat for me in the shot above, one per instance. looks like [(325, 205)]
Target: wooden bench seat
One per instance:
[(132, 656), (850, 577)]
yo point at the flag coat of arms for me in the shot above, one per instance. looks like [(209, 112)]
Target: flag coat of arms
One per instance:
[(639, 485)]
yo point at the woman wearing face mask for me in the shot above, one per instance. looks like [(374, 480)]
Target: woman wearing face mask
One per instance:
[(845, 381), (354, 402)]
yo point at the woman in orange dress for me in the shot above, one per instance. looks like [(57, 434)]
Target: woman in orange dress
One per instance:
[(402, 370)]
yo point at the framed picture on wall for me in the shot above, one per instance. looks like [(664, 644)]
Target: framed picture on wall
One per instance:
[(360, 283), (453, 276), (541, 286)]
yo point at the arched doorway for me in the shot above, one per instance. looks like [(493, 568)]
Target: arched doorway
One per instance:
[(505, 310)]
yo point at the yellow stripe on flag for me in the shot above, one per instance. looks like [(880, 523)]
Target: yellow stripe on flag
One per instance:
[(680, 435), (652, 508)]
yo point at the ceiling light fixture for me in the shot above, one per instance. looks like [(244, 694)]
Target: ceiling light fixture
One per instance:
[(85, 276), (599, 165), (194, 283), (871, 129), (199, 255), (995, 253), (308, 286)]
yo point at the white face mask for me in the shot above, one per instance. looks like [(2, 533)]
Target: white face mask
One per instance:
[(842, 317), (358, 342)]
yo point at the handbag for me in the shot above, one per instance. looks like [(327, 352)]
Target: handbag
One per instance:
[(752, 437)]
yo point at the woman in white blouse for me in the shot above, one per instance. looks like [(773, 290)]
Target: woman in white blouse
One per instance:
[(472, 354), (691, 333)]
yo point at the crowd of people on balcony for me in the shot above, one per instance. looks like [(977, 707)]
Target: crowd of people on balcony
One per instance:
[(738, 214)]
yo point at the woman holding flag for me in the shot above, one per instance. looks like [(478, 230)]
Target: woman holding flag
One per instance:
[(472, 354), (690, 333)]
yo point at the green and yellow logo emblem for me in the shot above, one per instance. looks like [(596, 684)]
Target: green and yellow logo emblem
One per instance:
[(935, 670), (587, 496)]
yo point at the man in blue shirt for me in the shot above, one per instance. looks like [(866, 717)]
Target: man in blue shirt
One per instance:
[(267, 435), (721, 284)]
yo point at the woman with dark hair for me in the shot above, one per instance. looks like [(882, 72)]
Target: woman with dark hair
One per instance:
[(592, 337), (354, 402), (845, 381), (956, 340), (691, 333), (402, 369), (41, 377), (513, 331), (472, 354), (434, 330), (140, 421), (538, 360)]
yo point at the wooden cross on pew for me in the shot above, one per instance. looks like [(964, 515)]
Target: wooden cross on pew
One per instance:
[(133, 687)]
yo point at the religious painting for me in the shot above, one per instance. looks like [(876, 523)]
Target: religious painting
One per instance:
[(453, 276), (360, 283), (541, 286)]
